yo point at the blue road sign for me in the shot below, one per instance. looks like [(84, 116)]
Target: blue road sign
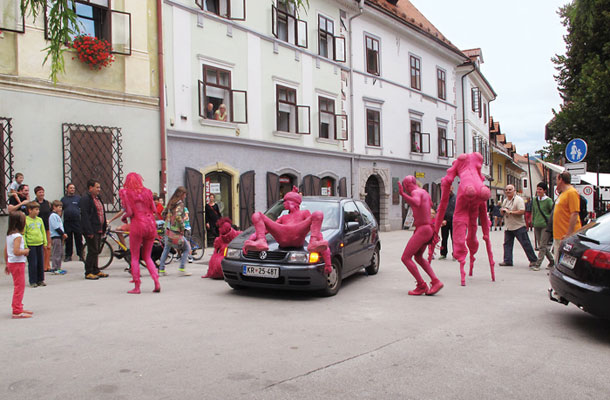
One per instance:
[(576, 150)]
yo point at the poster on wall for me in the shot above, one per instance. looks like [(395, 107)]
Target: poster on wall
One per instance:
[(215, 188)]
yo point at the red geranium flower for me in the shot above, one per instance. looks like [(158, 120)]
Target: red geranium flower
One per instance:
[(97, 53)]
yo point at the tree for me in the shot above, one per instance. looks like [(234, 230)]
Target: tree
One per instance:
[(63, 25), (584, 81)]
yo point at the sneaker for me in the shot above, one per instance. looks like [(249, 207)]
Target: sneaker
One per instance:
[(550, 266), (442, 258), (184, 272), (503, 264), (67, 259), (42, 284), (22, 315), (535, 268), (61, 272), (533, 264), (162, 272), (102, 275), (190, 259), (33, 285), (91, 276)]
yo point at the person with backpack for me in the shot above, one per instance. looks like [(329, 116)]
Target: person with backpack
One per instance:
[(583, 214), (541, 214)]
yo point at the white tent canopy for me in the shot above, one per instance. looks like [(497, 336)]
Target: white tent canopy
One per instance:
[(589, 177)]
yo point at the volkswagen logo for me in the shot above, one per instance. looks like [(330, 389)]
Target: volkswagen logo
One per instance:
[(262, 255)]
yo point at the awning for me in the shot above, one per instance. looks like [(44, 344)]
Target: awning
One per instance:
[(589, 177)]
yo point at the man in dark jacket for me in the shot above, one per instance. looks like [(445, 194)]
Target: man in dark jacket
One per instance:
[(447, 225), (71, 211), (93, 224)]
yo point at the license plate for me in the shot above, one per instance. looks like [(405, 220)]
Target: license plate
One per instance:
[(568, 260), (263, 272)]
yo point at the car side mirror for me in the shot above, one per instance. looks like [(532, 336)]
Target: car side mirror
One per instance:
[(352, 226)]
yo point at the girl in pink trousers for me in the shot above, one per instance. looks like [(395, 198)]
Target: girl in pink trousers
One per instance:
[(15, 255), (140, 209)]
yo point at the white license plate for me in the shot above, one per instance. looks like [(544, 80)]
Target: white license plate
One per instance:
[(263, 272), (568, 261)]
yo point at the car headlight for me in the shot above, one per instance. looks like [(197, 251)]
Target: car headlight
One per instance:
[(233, 253), (299, 257)]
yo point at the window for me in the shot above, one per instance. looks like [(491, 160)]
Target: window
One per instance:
[(351, 213), (291, 117), (285, 26), (329, 45), (231, 9), (372, 55), (97, 19), (485, 106), (372, 128), (415, 72), (331, 123), (6, 159), (11, 17), (420, 142), (442, 84), (500, 177), (94, 152), (445, 146), (217, 100), (475, 99)]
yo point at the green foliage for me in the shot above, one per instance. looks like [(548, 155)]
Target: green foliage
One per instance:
[(584, 81), (62, 25)]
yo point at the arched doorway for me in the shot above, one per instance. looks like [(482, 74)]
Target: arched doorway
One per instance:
[(373, 199), (327, 186), (220, 184), (287, 181)]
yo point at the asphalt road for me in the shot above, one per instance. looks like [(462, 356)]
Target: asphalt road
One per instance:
[(199, 339)]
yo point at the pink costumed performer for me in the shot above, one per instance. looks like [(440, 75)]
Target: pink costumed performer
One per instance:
[(420, 203), (140, 209), (291, 229), (470, 206), (227, 233)]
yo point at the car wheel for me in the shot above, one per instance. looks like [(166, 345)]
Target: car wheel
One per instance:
[(373, 268), (333, 280)]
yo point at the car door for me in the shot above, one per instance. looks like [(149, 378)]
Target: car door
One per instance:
[(370, 231), (354, 241)]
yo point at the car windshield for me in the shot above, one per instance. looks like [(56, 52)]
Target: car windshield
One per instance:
[(329, 208), (599, 230)]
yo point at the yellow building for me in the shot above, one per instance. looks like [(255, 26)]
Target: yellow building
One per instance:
[(504, 169), (99, 123)]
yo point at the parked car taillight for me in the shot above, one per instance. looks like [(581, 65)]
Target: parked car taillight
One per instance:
[(597, 258)]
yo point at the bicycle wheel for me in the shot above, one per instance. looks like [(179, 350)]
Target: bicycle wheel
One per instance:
[(197, 249), (106, 255)]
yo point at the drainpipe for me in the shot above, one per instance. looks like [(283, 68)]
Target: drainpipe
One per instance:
[(163, 137), (351, 90), (464, 108)]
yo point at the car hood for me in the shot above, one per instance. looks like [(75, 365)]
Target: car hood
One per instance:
[(330, 235)]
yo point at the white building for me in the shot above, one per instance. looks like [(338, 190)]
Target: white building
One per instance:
[(344, 99)]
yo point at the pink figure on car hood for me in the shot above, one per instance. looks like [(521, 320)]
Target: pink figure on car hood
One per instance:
[(470, 206), (290, 229)]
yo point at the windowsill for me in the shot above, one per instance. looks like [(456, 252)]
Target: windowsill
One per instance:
[(368, 146), (327, 141), (446, 158), (219, 124), (289, 135), (418, 155)]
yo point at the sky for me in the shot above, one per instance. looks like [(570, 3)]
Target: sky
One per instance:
[(518, 39)]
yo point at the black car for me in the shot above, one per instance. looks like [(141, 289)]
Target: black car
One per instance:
[(352, 234), (582, 274)]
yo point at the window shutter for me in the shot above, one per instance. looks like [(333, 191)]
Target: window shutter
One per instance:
[(237, 10), (425, 142), (199, 3), (339, 48), (201, 90), (274, 20), (239, 111), (121, 32), (303, 118), (301, 40), (11, 17), (341, 127)]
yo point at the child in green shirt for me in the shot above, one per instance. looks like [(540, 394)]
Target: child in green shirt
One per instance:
[(35, 237)]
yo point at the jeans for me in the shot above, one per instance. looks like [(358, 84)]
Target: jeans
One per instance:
[(524, 240), (166, 248)]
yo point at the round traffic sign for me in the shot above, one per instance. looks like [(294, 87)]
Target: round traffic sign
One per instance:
[(576, 150), (587, 190)]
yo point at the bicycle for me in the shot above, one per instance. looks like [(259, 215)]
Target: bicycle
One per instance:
[(107, 252)]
